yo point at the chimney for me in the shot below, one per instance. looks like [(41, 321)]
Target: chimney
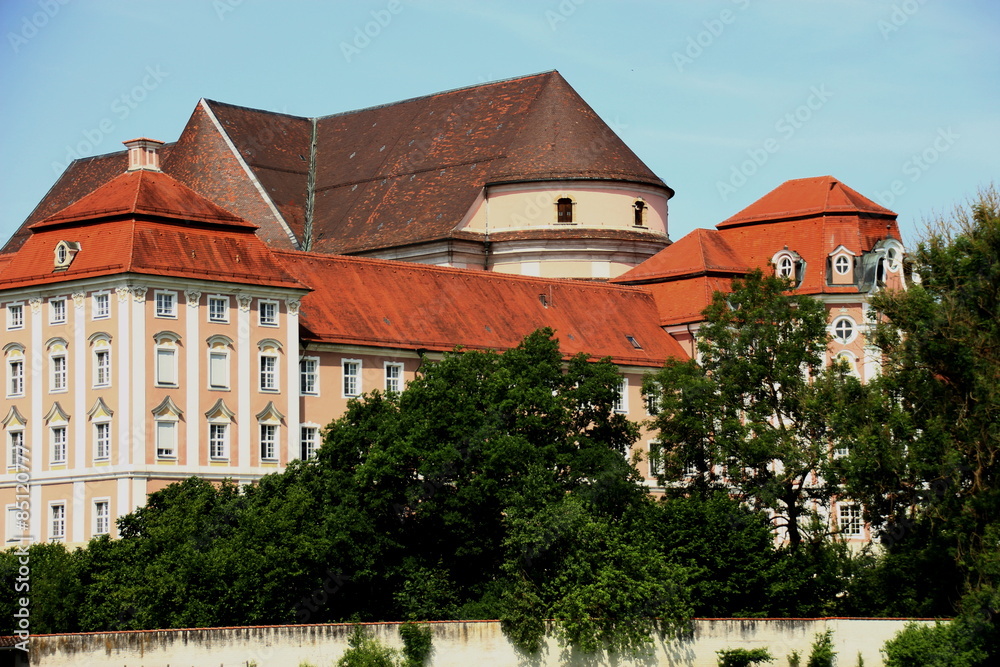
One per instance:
[(142, 154)]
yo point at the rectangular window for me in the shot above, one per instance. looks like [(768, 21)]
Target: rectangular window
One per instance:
[(59, 373), (309, 442), (166, 304), (849, 519), (218, 370), (393, 377), (15, 316), (16, 372), (654, 458), (58, 444), (58, 522), (268, 372), (218, 309), (57, 311), (102, 368), (352, 378), (621, 398), (102, 306), (268, 311), (102, 440), (17, 452), (166, 439), (102, 517), (217, 438), (307, 376), (17, 523), (166, 366), (268, 442)]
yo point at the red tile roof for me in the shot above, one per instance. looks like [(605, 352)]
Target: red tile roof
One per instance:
[(143, 192), (144, 222), (682, 301), (362, 301), (701, 252), (382, 177), (821, 195)]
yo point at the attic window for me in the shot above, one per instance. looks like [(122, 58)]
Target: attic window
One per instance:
[(640, 213), (633, 341), (64, 253), (786, 268), (544, 300), (842, 264), (564, 210)]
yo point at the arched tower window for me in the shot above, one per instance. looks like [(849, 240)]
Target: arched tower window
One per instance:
[(640, 213)]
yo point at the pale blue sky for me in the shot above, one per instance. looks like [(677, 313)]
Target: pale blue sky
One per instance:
[(724, 100)]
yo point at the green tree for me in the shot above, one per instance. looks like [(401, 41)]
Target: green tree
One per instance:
[(756, 413)]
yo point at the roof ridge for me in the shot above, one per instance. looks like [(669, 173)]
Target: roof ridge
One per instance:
[(437, 94), (431, 268), (245, 108)]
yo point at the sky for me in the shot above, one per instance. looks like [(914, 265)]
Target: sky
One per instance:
[(724, 100)]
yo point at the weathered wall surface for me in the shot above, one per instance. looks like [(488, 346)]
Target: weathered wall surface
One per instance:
[(456, 644)]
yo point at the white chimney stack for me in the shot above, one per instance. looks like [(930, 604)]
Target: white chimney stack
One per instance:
[(143, 154)]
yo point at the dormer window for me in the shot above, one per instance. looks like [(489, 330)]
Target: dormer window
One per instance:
[(564, 210), (840, 267), (65, 252), (639, 209), (788, 265)]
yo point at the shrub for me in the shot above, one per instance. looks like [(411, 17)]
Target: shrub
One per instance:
[(741, 657), (416, 643), (367, 651), (822, 650)]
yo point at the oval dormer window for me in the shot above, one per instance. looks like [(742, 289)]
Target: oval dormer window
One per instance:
[(842, 264), (65, 251), (61, 254), (786, 268)]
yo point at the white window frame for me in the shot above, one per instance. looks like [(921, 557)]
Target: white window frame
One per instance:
[(216, 383), (267, 371), (215, 441), (13, 434), (397, 380), (213, 300), (15, 323), (169, 424), (58, 377), (161, 300), (57, 521), (620, 404), (350, 382), (849, 321), (102, 520), (57, 310), (59, 446), (308, 441), (271, 445), (309, 377), (268, 321), (850, 520), (785, 268), (167, 347), (97, 312), (842, 268), (15, 375), (102, 372), (102, 425)]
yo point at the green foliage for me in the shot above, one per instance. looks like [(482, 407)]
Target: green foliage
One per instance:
[(938, 645), (417, 643), (366, 651), (759, 394), (822, 653), (742, 657), (794, 659)]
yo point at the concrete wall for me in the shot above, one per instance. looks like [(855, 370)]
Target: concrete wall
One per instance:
[(458, 644)]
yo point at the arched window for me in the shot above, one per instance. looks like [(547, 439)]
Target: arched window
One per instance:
[(786, 267), (640, 213), (564, 210)]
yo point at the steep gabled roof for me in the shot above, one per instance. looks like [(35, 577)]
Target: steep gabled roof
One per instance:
[(145, 222), (361, 301), (143, 192), (802, 197), (700, 252)]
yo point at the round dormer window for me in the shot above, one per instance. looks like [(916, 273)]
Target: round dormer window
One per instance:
[(786, 267), (842, 264), (61, 254), (892, 258)]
